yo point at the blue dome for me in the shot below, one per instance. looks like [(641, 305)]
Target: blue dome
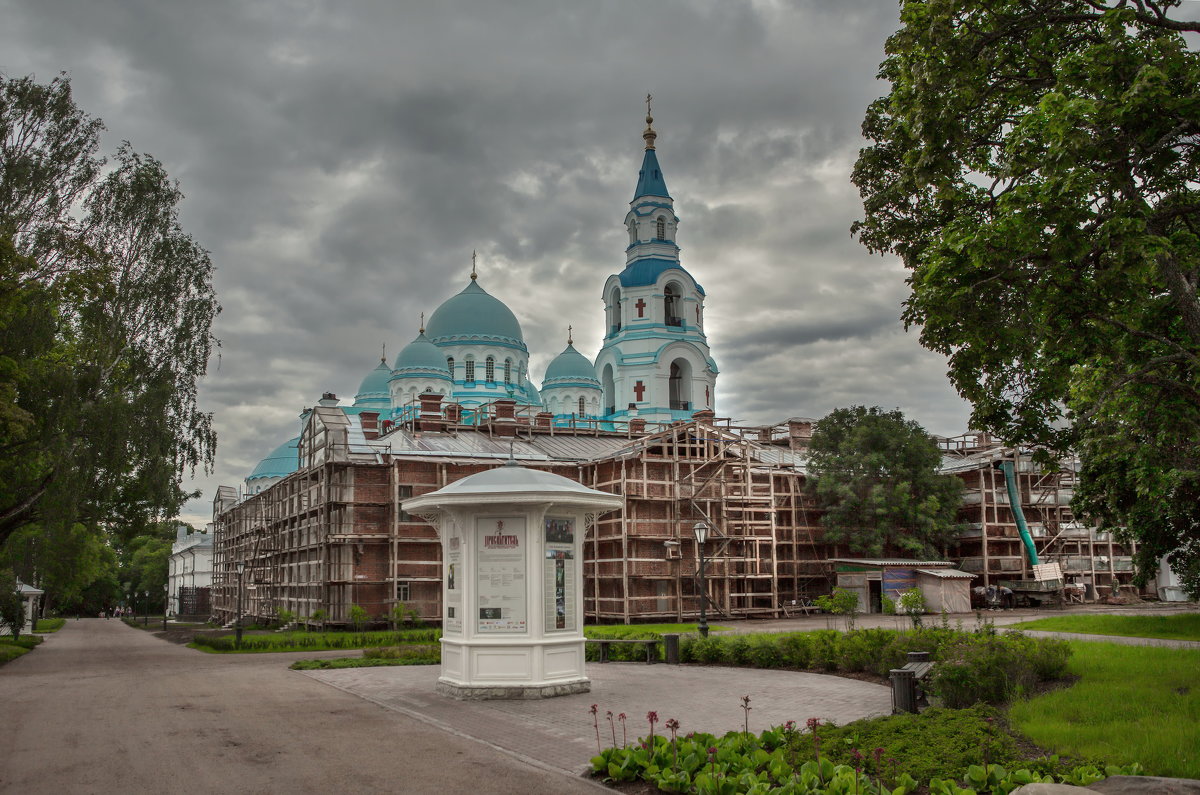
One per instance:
[(281, 462), (375, 386), (645, 271), (473, 314), (570, 365), (421, 354)]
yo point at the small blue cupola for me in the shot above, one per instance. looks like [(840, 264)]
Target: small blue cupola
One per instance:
[(373, 391)]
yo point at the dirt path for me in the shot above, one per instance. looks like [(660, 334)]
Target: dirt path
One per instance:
[(104, 708)]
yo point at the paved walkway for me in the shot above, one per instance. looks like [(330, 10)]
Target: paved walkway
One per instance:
[(103, 708), (558, 733)]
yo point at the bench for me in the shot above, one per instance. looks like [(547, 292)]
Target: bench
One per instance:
[(651, 645), (908, 694), (804, 606)]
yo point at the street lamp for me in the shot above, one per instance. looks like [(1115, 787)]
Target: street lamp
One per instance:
[(166, 599), (701, 531), (241, 567), (145, 608)]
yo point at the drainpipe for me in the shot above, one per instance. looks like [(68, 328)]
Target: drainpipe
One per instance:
[(1014, 502)]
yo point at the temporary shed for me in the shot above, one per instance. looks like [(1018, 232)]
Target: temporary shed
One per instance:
[(944, 587)]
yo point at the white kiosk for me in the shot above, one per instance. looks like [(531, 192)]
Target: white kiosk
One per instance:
[(512, 581)]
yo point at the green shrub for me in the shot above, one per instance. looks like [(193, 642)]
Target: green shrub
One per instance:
[(860, 649), (995, 669), (796, 649), (765, 651), (704, 650), (825, 652), (736, 650), (428, 653)]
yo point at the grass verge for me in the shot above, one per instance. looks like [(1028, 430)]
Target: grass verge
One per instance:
[(310, 641), (1132, 704), (1181, 626), (12, 649), (641, 630), (49, 624)]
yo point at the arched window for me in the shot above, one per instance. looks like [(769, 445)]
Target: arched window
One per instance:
[(632, 232), (489, 370), (582, 407), (508, 371), (614, 310), (469, 370), (610, 391), (672, 305), (450, 365), (680, 385), (661, 230)]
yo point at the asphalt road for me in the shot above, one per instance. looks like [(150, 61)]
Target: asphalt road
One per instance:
[(100, 707)]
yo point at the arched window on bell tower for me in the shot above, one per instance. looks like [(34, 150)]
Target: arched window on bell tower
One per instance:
[(660, 231), (673, 304), (614, 310), (680, 385)]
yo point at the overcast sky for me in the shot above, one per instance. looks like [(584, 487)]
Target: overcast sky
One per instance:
[(342, 160)]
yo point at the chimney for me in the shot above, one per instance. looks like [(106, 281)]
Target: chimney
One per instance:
[(431, 412), (504, 423), (704, 415), (799, 433), (637, 425), (453, 413), (370, 424), (542, 419), (328, 399)]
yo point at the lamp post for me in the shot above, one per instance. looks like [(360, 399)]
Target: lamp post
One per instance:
[(145, 608), (166, 599), (701, 531), (241, 567)]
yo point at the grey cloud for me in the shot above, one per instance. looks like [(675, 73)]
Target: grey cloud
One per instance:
[(341, 161)]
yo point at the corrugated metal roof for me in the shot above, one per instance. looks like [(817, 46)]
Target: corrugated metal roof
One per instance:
[(884, 562), (947, 574)]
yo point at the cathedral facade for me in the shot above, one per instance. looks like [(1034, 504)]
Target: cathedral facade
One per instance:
[(654, 362)]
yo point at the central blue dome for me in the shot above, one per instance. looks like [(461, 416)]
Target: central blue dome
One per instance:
[(474, 314)]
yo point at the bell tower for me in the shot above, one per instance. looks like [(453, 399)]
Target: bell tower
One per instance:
[(655, 359)]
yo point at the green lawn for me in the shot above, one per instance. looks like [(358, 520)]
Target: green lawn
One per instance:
[(1132, 704), (641, 630), (49, 624), (311, 641), (1181, 626)]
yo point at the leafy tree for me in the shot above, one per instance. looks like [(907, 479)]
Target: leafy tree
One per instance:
[(64, 561), (12, 606), (876, 477), (358, 617), (1036, 167), (841, 602), (106, 306)]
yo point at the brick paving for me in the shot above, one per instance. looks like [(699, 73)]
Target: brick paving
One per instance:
[(557, 733)]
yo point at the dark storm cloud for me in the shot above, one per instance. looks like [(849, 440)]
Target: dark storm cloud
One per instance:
[(342, 160)]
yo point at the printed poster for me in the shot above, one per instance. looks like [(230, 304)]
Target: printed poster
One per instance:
[(558, 575), (502, 608), (453, 590)]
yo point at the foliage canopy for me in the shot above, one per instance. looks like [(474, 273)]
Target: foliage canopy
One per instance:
[(876, 477), (1035, 166), (106, 306)]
